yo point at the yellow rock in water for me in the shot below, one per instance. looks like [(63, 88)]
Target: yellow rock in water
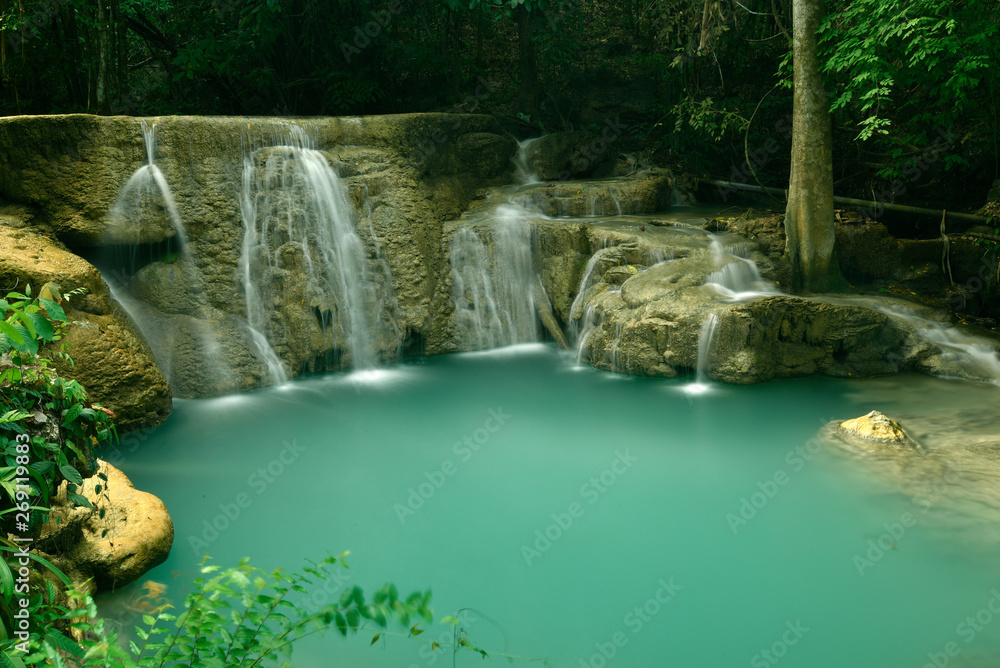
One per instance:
[(876, 426)]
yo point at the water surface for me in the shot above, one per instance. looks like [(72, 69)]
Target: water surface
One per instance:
[(693, 530)]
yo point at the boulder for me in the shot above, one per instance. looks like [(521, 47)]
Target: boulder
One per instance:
[(110, 358), (134, 535), (875, 426), (570, 155)]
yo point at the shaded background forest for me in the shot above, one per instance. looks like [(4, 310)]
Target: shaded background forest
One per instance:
[(700, 84)]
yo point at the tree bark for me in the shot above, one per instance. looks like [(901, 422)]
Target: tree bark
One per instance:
[(809, 215), (528, 63), (103, 46)]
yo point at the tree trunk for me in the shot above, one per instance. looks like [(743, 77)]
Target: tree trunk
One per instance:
[(809, 214), (103, 47), (528, 64)]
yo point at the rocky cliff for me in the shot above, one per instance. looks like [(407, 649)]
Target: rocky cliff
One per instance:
[(287, 246)]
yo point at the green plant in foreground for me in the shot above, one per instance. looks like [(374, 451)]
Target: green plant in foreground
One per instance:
[(29, 388), (238, 616), (47, 431)]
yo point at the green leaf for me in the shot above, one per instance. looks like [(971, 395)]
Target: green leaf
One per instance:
[(72, 413), (63, 643), (10, 659), (6, 582), (54, 310), (71, 474), (27, 322), (353, 618), (13, 334), (43, 328), (79, 500)]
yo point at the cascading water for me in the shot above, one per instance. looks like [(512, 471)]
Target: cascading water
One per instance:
[(522, 170), (146, 199), (706, 346), (477, 319), (494, 293), (738, 279), (659, 256), (256, 313), (145, 208), (975, 358), (300, 239), (705, 341), (586, 282), (586, 331)]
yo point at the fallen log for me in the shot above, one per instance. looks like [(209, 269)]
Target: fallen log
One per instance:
[(901, 208)]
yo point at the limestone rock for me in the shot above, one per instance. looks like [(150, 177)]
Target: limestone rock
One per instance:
[(110, 358), (644, 193), (135, 534), (563, 155), (875, 426)]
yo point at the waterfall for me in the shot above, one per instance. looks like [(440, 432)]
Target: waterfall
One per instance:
[(586, 331), (586, 282), (738, 279), (659, 256), (706, 349), (979, 358), (522, 170), (493, 293), (975, 358), (300, 242), (514, 271), (145, 199), (256, 314), (478, 323), (705, 342), (145, 195)]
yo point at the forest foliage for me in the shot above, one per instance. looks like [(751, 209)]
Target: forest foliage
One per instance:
[(701, 83)]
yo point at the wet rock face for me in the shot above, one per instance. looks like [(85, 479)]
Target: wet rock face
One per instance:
[(110, 357), (405, 176), (649, 322), (410, 181), (642, 193)]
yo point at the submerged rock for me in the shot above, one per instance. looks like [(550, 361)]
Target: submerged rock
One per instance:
[(875, 426), (946, 461)]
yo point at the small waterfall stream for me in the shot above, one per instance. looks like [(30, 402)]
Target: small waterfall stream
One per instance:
[(575, 330), (494, 293), (705, 345), (256, 314), (144, 203), (706, 350), (976, 358), (522, 171), (299, 224), (146, 196), (737, 277)]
